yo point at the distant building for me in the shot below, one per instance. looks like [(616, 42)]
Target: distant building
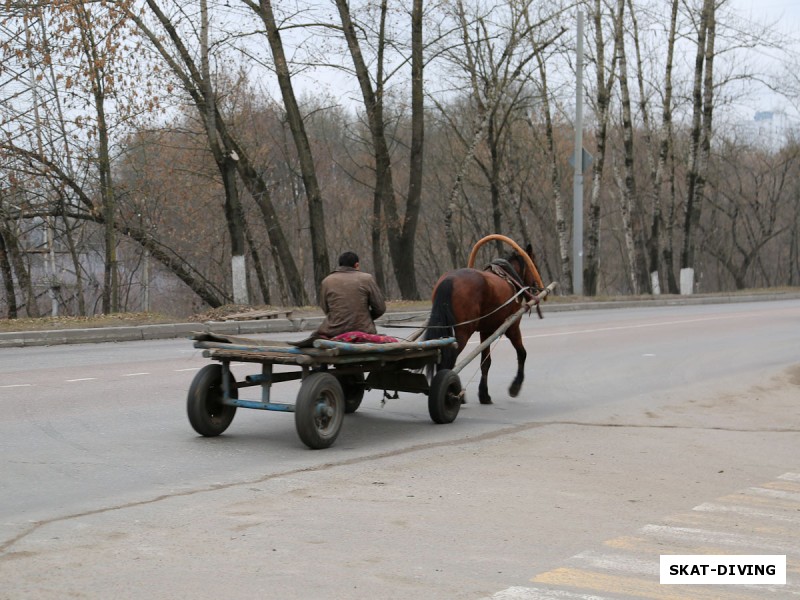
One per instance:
[(769, 129)]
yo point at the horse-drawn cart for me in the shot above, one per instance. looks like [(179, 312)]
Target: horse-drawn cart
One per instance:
[(334, 376)]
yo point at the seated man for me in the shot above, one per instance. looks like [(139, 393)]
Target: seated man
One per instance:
[(350, 299)]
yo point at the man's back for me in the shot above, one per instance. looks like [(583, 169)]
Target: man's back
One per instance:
[(351, 301)]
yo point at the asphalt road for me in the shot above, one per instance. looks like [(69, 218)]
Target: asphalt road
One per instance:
[(638, 432)]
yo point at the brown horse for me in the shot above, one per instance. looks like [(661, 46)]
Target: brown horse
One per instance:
[(469, 300)]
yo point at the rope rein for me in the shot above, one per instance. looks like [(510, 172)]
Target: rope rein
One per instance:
[(503, 305), (506, 303), (513, 278)]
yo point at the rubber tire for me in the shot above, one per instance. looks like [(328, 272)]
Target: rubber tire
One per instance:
[(353, 388), (444, 398), (319, 392), (207, 414)]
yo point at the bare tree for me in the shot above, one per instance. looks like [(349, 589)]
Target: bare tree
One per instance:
[(750, 203), (499, 85), (562, 233), (100, 75), (605, 77), (86, 209), (700, 139), (319, 243), (631, 209), (229, 154), (657, 249), (8, 278), (401, 231)]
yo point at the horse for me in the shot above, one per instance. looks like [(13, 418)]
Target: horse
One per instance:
[(468, 300)]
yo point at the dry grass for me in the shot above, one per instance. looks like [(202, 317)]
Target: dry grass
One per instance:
[(218, 314), (65, 322), (142, 318)]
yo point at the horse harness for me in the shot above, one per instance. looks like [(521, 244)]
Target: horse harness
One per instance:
[(503, 269)]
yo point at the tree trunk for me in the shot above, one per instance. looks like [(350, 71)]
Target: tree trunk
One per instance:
[(592, 266), (76, 263), (8, 279), (97, 75), (23, 275), (631, 211), (565, 273), (263, 285), (226, 165), (408, 234), (61, 124), (450, 233), (376, 224), (494, 178), (691, 217), (280, 246), (316, 214), (398, 230), (661, 272), (197, 83)]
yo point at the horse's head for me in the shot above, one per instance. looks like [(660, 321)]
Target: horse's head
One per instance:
[(530, 276)]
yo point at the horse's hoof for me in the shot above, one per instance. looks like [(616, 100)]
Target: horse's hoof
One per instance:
[(486, 400), (513, 391)]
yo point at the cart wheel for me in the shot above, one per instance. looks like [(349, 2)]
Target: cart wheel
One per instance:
[(444, 399), (353, 388), (319, 411), (207, 414)]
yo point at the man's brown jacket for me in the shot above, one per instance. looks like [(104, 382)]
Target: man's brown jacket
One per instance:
[(351, 300)]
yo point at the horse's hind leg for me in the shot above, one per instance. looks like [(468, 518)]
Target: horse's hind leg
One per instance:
[(515, 337), (486, 362)]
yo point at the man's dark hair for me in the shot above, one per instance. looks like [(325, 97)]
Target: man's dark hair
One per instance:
[(348, 259)]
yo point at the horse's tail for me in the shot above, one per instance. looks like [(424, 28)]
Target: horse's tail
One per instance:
[(441, 322)]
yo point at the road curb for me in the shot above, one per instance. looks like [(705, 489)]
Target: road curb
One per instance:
[(56, 337)]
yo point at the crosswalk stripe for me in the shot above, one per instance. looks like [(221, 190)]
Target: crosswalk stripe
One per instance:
[(618, 562), (772, 515), (526, 593), (642, 545), (649, 589), (756, 520), (756, 525), (780, 494), (719, 537), (751, 499), (786, 486)]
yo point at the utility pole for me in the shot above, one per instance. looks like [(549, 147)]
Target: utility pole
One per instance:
[(577, 186), (49, 260)]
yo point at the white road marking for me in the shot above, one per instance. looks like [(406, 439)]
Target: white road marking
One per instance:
[(619, 562), (749, 512), (13, 385), (790, 476), (82, 379), (526, 593), (758, 491), (693, 536), (134, 374), (189, 369)]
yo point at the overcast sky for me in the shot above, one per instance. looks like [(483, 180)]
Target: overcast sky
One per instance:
[(784, 15), (786, 11)]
